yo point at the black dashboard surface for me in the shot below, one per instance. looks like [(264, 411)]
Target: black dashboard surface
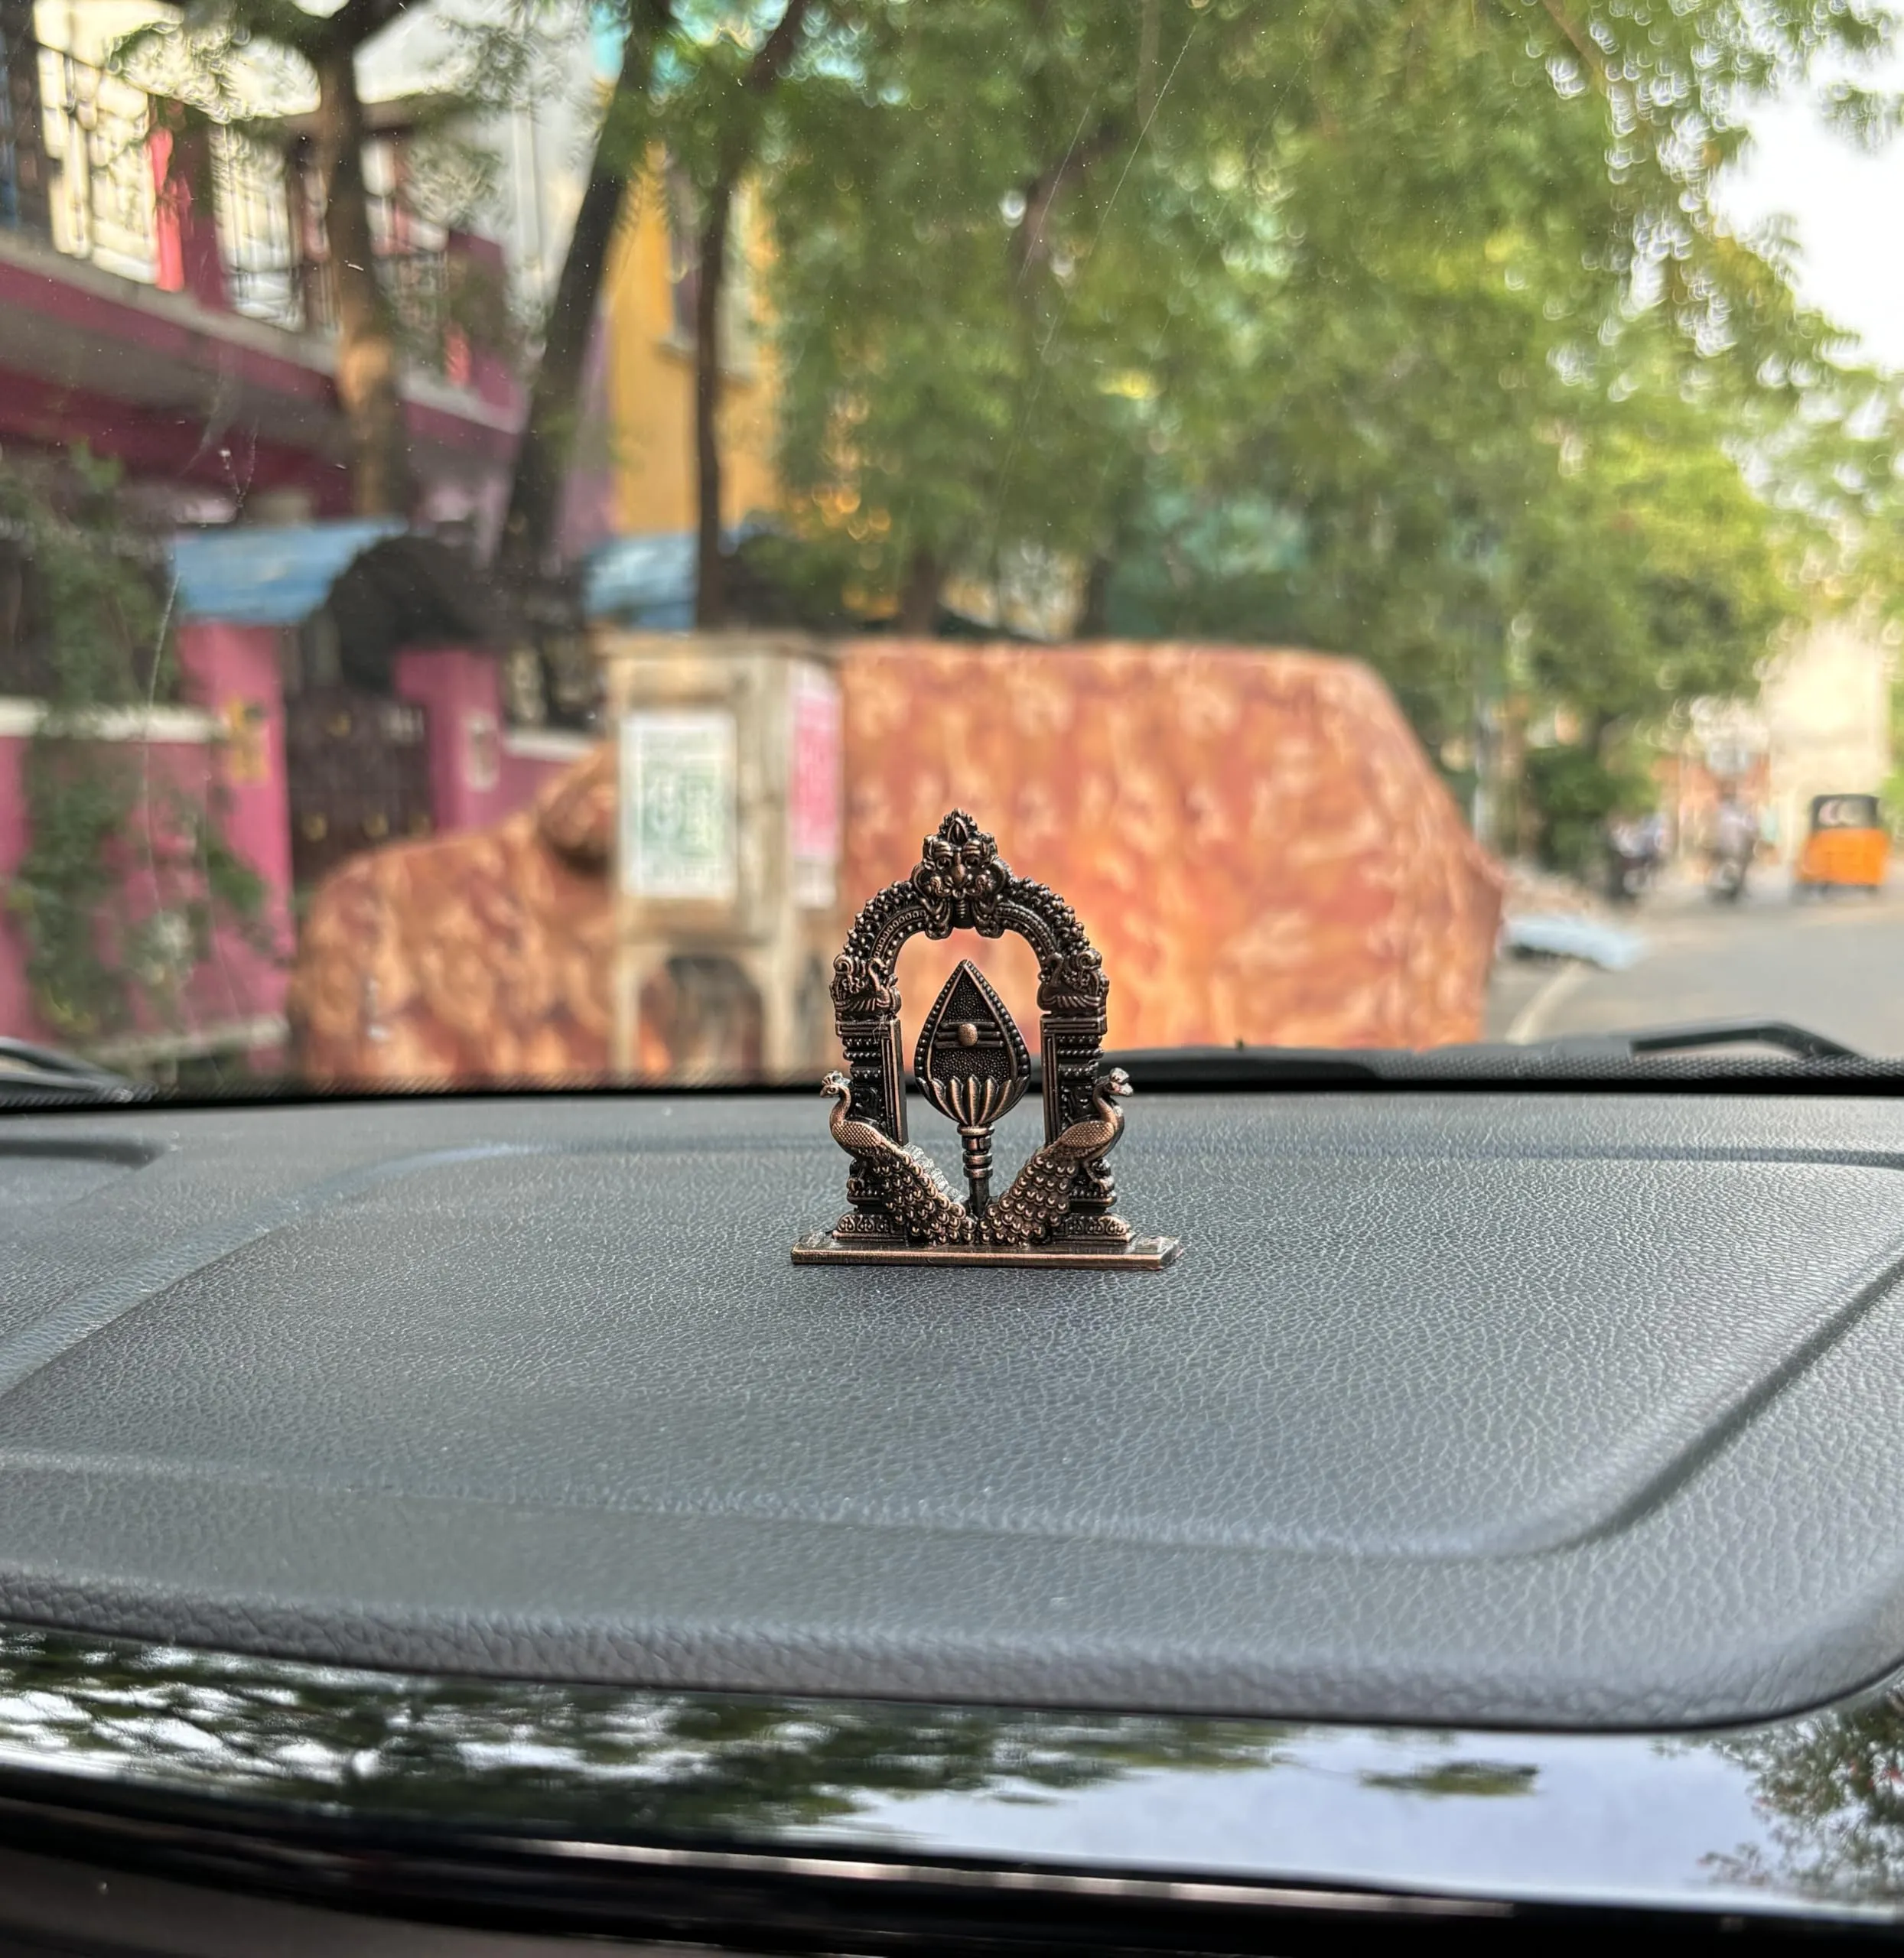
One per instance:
[(1566, 1410)]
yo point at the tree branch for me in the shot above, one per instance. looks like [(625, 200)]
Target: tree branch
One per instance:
[(1041, 194), (368, 363), (710, 604), (763, 75), (359, 20), (1588, 53), (770, 60), (1146, 63)]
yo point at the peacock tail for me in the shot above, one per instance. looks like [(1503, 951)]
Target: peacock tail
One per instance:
[(1040, 1194), (918, 1196)]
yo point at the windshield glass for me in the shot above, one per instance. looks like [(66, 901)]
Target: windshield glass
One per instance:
[(519, 517)]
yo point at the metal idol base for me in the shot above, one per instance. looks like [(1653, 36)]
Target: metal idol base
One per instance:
[(1140, 1254)]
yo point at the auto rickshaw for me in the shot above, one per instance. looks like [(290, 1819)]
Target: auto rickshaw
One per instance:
[(1847, 848)]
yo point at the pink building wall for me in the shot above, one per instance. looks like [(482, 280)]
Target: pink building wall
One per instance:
[(530, 760), (232, 672), (180, 762), (17, 1015), (230, 745), (478, 774)]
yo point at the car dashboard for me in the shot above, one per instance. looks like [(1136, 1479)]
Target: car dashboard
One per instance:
[(463, 1512)]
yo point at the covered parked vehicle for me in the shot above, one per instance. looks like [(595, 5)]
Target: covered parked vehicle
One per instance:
[(1307, 880)]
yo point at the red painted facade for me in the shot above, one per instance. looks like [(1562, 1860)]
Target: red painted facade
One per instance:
[(204, 369), (162, 320), (190, 398)]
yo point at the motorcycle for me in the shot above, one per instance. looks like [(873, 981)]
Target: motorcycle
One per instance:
[(1632, 863), (1725, 880)]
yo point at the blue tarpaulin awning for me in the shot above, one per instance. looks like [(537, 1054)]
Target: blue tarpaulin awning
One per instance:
[(270, 575), (646, 581), (280, 575)]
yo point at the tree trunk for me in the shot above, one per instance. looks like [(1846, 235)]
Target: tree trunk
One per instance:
[(1094, 614), (919, 602), (710, 594), (1028, 247), (528, 546), (367, 371), (1147, 64), (764, 74)]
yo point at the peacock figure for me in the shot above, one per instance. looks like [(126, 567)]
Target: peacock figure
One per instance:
[(917, 1196), (1040, 1193), (911, 1187)]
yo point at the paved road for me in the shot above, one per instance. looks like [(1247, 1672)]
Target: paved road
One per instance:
[(1834, 964)]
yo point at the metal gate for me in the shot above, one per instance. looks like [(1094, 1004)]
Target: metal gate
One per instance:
[(359, 775)]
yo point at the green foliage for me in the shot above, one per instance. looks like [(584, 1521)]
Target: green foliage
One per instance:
[(1574, 791), (125, 877), (248, 64), (1410, 332), (1508, 478), (967, 339), (1405, 330)]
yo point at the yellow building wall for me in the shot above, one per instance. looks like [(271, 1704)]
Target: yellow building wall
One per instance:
[(650, 385)]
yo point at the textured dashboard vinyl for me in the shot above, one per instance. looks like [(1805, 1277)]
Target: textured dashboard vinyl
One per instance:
[(1560, 1409)]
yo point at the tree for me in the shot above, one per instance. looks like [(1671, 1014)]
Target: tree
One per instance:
[(1407, 332), (526, 550), (210, 56), (717, 95), (697, 82), (953, 348), (368, 366), (1826, 1793)]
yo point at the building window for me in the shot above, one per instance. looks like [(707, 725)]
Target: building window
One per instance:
[(257, 241), (103, 201)]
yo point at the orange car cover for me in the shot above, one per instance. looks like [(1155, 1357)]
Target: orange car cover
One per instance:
[(1255, 841)]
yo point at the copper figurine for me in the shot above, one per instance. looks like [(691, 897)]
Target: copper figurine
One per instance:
[(972, 1066)]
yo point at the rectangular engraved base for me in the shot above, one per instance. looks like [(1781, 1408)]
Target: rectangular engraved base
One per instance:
[(1140, 1254)]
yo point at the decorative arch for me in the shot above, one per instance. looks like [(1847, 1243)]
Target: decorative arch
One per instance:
[(960, 883)]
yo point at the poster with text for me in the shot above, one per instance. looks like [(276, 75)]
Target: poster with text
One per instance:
[(677, 804)]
